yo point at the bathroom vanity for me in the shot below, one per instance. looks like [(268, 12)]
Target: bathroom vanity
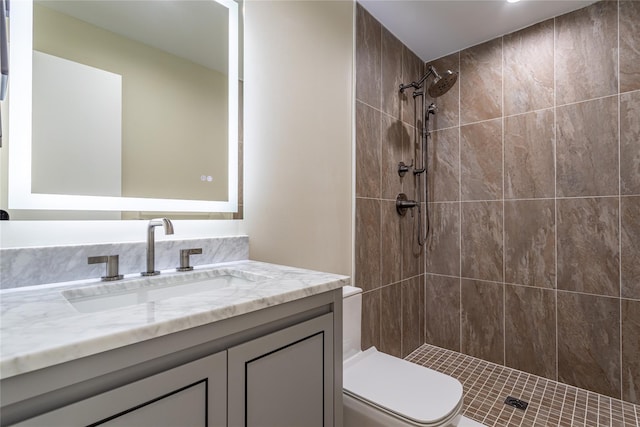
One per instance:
[(261, 346)]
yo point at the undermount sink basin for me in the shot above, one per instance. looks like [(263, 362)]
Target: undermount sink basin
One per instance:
[(144, 290)]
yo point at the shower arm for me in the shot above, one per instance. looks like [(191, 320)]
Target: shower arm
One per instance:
[(419, 83)]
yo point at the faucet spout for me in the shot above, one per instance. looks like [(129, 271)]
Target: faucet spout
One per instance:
[(151, 251)]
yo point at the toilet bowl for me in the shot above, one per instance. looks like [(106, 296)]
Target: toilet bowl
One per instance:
[(380, 390)]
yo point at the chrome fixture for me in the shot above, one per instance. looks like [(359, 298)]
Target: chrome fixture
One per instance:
[(151, 251), (184, 258), (112, 266)]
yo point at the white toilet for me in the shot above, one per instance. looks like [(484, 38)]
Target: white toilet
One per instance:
[(384, 391)]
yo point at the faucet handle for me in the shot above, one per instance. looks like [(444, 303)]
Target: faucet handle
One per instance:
[(112, 266), (184, 258)]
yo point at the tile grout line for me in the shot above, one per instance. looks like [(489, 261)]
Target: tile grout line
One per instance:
[(555, 197), (621, 347)]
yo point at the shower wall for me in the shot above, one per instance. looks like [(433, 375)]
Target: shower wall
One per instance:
[(534, 198), (389, 263)]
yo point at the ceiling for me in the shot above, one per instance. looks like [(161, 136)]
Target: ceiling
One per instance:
[(432, 29)]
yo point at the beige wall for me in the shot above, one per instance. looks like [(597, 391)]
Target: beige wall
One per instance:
[(298, 133)]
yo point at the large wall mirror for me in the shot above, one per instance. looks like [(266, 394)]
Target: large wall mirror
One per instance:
[(124, 107)]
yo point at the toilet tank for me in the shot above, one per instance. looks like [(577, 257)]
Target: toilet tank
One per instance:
[(351, 321)]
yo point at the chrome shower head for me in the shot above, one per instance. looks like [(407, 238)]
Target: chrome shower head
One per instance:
[(442, 84)]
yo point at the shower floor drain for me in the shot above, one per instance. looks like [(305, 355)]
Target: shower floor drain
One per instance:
[(516, 403)]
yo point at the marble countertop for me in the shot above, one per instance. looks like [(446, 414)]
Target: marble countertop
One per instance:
[(39, 327)]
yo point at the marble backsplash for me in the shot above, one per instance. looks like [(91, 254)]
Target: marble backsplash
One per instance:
[(39, 265)]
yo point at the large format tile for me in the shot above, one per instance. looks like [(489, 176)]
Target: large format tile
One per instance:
[(482, 229), (630, 255), (412, 314), (528, 69), (588, 245), (530, 330), (529, 144), (391, 240), (367, 268), (411, 146), (391, 320), (392, 155), (443, 242), (443, 311), (481, 161), (391, 73), (586, 53), (629, 45), (482, 320), (368, 58), (412, 252), (630, 143), (587, 148), (630, 345), (481, 82), (370, 319), (412, 70), (443, 171), (448, 113), (589, 342), (530, 243), (368, 151)]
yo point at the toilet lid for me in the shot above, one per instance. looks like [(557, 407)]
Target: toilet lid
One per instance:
[(405, 389)]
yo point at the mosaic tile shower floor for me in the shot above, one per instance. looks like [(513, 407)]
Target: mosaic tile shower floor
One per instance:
[(486, 385)]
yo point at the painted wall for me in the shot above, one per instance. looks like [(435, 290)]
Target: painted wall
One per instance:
[(298, 133), (533, 260)]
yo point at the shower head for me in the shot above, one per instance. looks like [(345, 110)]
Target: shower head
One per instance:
[(442, 84)]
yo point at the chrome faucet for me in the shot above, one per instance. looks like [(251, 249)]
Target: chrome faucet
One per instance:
[(151, 250)]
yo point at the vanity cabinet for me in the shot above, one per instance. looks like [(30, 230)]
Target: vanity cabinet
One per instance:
[(193, 394), (279, 366)]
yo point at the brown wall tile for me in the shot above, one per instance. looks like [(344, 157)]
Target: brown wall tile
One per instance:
[(392, 249), (482, 320), (443, 171), (586, 53), (482, 240), (589, 342), (391, 73), (448, 114), (392, 155), (587, 141), (481, 82), (588, 245), (412, 314), (368, 54), (481, 161), (367, 274), (412, 252), (529, 144), (368, 151), (443, 242), (530, 237), (629, 45), (443, 311), (410, 154), (391, 320), (371, 319), (412, 70), (630, 350), (630, 256), (530, 330), (630, 143), (528, 69)]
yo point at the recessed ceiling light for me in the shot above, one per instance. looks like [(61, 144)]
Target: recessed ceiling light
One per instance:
[(513, 1)]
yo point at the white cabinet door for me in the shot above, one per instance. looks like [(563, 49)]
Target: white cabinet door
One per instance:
[(284, 379), (193, 394)]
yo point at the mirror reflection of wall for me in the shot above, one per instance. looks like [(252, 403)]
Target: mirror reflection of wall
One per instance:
[(174, 110)]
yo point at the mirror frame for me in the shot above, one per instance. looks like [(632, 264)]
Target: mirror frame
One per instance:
[(20, 131)]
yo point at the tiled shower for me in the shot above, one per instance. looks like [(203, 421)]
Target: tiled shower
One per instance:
[(533, 258)]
